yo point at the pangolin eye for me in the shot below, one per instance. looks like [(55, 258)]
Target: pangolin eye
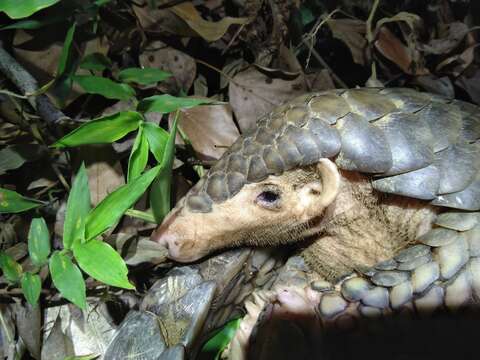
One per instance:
[(269, 199)]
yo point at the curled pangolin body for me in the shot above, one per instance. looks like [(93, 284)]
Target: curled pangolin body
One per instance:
[(414, 144)]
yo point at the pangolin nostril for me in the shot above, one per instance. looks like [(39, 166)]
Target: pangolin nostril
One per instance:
[(165, 244)]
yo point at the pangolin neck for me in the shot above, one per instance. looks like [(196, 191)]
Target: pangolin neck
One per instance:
[(363, 227)]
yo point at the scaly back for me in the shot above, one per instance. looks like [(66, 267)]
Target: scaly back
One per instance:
[(413, 144)]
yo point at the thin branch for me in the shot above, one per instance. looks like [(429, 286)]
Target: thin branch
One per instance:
[(27, 85), (370, 21), (317, 56)]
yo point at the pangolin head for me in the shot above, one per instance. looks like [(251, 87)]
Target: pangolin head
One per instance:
[(266, 189)]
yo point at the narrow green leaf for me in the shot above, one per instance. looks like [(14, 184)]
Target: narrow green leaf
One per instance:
[(78, 206), (38, 242), (214, 347), (143, 76), (103, 130), (95, 61), (138, 157), (12, 270), (105, 87), (13, 202), (102, 262), (157, 139), (31, 287), (167, 103), (111, 209), (17, 9), (161, 187), (68, 279), (65, 55)]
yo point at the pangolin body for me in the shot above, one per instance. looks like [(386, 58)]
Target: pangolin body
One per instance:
[(399, 142)]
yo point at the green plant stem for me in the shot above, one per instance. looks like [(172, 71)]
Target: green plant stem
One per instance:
[(198, 168), (143, 215)]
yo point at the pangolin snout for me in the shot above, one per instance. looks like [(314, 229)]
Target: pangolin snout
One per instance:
[(179, 247)]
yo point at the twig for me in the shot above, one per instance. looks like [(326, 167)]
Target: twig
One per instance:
[(312, 34), (28, 86), (221, 72), (317, 56), (12, 94), (370, 37), (370, 20)]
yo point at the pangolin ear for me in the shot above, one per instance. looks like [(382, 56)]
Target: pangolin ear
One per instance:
[(317, 195), (330, 182)]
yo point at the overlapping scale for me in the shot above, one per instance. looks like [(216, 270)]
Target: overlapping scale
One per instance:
[(410, 139), (364, 146), (415, 144)]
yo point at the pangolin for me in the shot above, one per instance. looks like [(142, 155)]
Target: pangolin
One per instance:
[(378, 189)]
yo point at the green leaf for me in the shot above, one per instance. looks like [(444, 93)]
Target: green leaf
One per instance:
[(161, 187), (14, 156), (65, 55), (12, 270), (102, 262), (13, 202), (101, 2), (138, 157), (143, 76), (33, 24), (17, 9), (103, 130), (167, 103), (31, 287), (306, 15), (78, 206), (105, 87), (68, 279), (214, 347), (111, 209), (157, 139), (95, 61), (38, 242)]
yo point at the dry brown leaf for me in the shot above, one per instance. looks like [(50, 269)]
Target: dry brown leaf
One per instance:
[(180, 65), (449, 39), (29, 322), (320, 80), (352, 33), (42, 62), (394, 50), (458, 62), (412, 20), (210, 31), (210, 129), (253, 94), (104, 170), (470, 82), (230, 69), (160, 21)]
